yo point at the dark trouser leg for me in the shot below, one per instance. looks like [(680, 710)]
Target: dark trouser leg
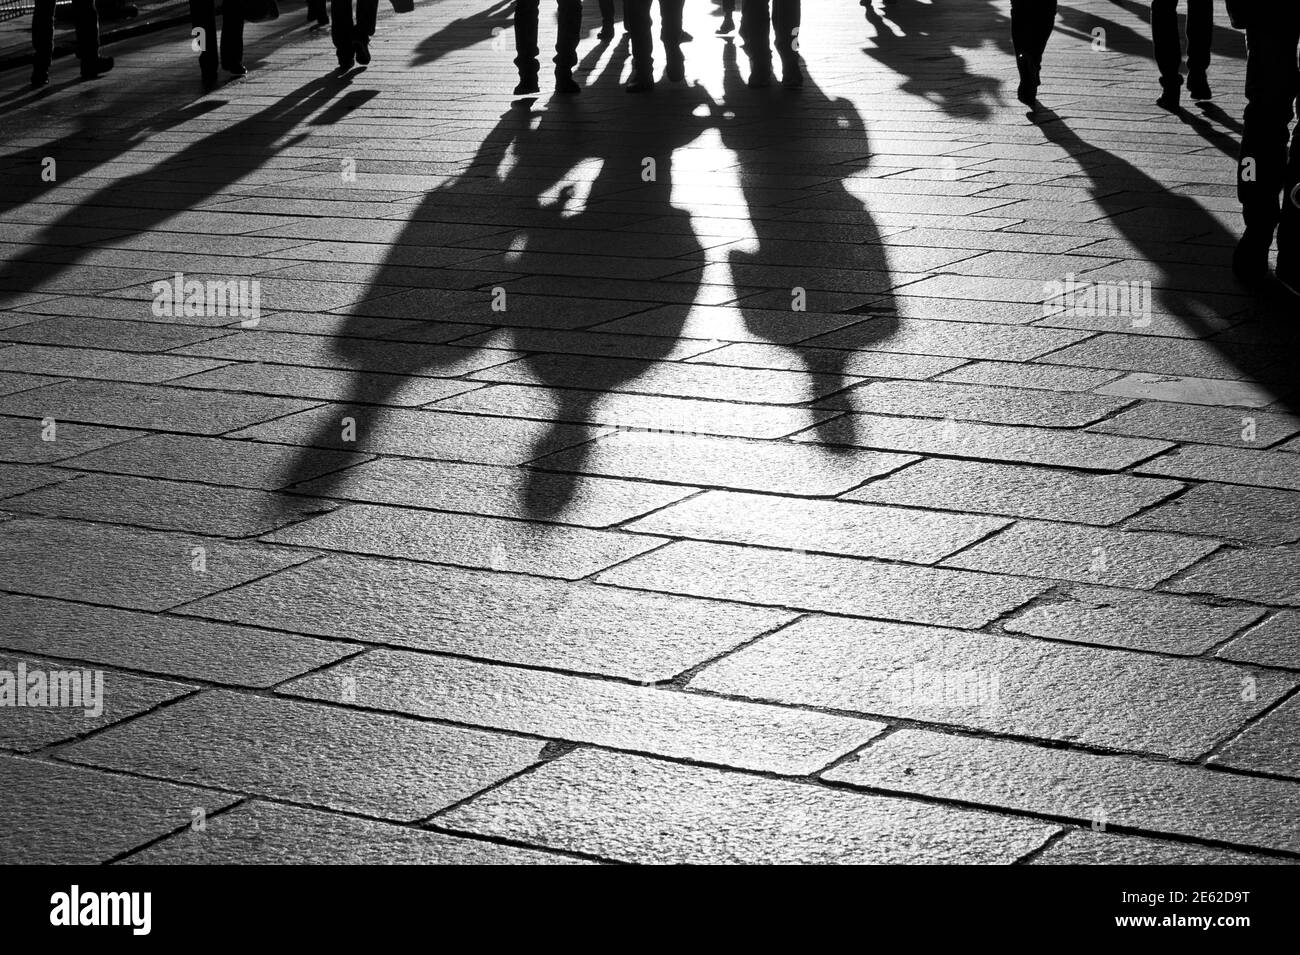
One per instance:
[(568, 30), (316, 9), (367, 15), (1031, 27), (87, 23), (670, 29), (526, 38), (1167, 43), (232, 32), (1200, 30), (341, 25), (636, 17), (1264, 173), (786, 15), (203, 14), (607, 11), (43, 32), (755, 25)]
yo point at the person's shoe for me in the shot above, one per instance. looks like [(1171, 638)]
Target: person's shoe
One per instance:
[(675, 73), (1250, 257), (361, 50), (95, 66), (685, 37), (40, 75), (791, 74), (346, 59), (1027, 93), (565, 84), (1169, 100), (641, 81), (527, 84), (760, 76), (1198, 86), (606, 31), (235, 69)]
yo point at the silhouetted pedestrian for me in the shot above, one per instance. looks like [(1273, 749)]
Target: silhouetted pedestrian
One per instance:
[(203, 15), (318, 12), (87, 25), (606, 20), (1268, 174), (1169, 49), (352, 39), (568, 26), (1032, 22), (636, 15), (781, 19)]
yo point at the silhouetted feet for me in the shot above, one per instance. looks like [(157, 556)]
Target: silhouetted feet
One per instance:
[(235, 69), (40, 75), (760, 75), (361, 50), (728, 25), (347, 59), (1027, 93), (1169, 100), (1250, 258), (791, 74), (95, 66), (1030, 77), (685, 37), (641, 80), (565, 84), (1198, 86), (606, 31), (675, 73)]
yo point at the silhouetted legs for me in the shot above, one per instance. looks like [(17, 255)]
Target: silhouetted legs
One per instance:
[(1268, 176), (783, 20), (728, 17), (204, 16), (607, 16), (1169, 47), (352, 40), (318, 12), (569, 25), (86, 20), (636, 14), (1032, 22)]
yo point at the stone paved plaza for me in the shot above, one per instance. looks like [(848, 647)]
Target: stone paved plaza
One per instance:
[(868, 473)]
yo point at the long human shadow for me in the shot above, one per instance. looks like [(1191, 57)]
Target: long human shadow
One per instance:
[(230, 154), (565, 137), (926, 54), (1265, 346), (769, 123), (464, 32)]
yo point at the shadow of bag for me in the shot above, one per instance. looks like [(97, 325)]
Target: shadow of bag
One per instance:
[(257, 11), (402, 6)]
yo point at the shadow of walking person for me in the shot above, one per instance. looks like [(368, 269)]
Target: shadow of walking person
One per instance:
[(569, 174), (774, 132), (1257, 337)]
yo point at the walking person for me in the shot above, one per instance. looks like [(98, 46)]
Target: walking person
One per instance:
[(86, 20), (1169, 49), (636, 16), (781, 19), (568, 26), (352, 38), (1032, 22), (203, 16), (1268, 173)]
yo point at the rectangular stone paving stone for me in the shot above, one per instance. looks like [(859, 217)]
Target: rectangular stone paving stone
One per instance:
[(648, 412), (1165, 356), (780, 468), (266, 833), (1228, 466), (1086, 554), (496, 491), (75, 700), (60, 814), (1017, 406), (424, 434), (183, 647), (1016, 375), (1236, 512), (617, 715), (1270, 576), (1016, 491), (11, 382), (1090, 847), (19, 479), (129, 336), (999, 684), (507, 617), (169, 505), (466, 540), (728, 323), (986, 441), (833, 584), (97, 364), (1271, 745), (326, 384), (633, 809), (124, 567), (856, 530), (834, 361), (1233, 427), (224, 461), (34, 441), (1181, 388), (1274, 643), (1151, 797), (369, 763), (955, 339), (148, 406), (1160, 623)]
